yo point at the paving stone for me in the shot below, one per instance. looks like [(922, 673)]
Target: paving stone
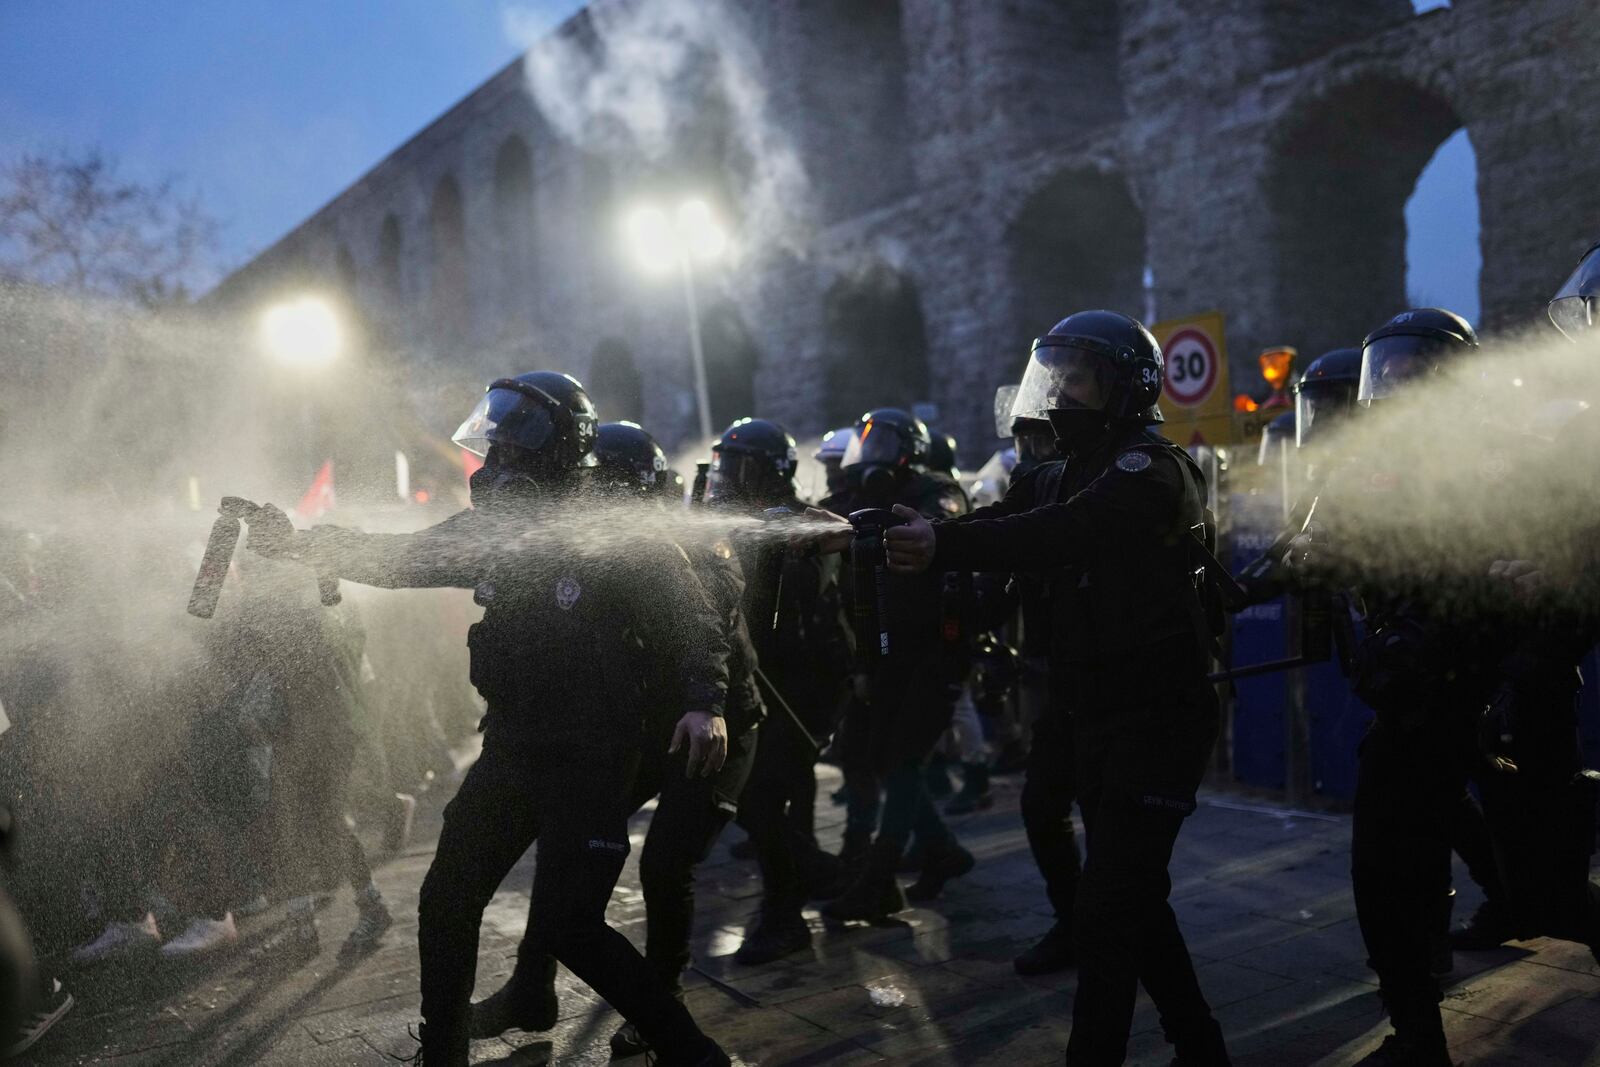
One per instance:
[(1290, 989)]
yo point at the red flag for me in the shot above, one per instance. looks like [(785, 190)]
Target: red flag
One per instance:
[(319, 499)]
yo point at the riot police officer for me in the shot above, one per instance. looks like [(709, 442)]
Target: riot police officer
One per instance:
[(830, 453), (802, 641), (1113, 523), (557, 658), (1421, 669), (903, 706), (631, 479)]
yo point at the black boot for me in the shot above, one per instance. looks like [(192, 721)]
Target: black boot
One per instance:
[(627, 1041), (875, 895), (438, 1047), (852, 857), (974, 795), (941, 862), (1052, 953), (821, 872), (1417, 1041), (777, 933), (1489, 927), (1203, 1047), (526, 1002), (713, 1056)]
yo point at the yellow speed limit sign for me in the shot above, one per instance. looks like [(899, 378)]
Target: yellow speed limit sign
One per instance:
[(1195, 398)]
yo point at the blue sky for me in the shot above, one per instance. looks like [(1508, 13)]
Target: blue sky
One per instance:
[(270, 107)]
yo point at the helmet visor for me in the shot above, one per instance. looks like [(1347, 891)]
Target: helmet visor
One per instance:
[(1005, 399), (1575, 310), (1319, 409), (1061, 378), (833, 445), (875, 444), (733, 475), (505, 416), (1389, 363)]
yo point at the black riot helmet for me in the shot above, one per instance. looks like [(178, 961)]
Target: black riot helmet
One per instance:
[(542, 417), (942, 453), (1414, 344), (887, 445), (1325, 395), (1035, 443), (1575, 309), (628, 460), (753, 462), (830, 453), (1091, 368)]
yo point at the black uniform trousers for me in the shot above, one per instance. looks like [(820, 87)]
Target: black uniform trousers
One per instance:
[(690, 814), (1049, 789), (1144, 726), (1542, 819), (1412, 775), (782, 848), (570, 799)]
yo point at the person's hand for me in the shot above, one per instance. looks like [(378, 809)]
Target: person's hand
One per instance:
[(1524, 575), (707, 736), (909, 548), (271, 533), (822, 533)]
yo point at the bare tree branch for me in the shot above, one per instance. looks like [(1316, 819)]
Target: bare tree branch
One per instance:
[(69, 221)]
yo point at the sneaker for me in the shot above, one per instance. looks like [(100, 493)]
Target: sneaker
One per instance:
[(120, 939), (1053, 953), (254, 906), (374, 922), (35, 1026), (203, 936), (626, 1042)]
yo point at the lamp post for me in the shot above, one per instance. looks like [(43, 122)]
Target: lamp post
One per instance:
[(661, 243)]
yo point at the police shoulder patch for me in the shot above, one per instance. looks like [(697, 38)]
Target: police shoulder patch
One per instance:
[(567, 593), (1133, 461)]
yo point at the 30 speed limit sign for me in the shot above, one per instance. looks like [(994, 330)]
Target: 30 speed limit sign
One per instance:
[(1192, 367)]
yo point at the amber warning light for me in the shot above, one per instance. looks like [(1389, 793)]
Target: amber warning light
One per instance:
[(1276, 363)]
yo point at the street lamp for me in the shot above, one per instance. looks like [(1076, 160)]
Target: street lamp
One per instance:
[(304, 331), (661, 242)]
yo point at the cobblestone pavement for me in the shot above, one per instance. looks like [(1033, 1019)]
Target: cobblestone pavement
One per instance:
[(1263, 896)]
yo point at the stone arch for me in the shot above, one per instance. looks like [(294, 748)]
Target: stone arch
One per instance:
[(615, 382), (448, 228), (1346, 161), (875, 344), (851, 71), (731, 360), (390, 244), (1077, 243), (513, 209)]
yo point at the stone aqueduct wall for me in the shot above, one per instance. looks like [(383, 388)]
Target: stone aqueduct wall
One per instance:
[(977, 169)]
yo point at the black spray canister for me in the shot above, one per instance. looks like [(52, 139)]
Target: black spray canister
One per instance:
[(869, 566)]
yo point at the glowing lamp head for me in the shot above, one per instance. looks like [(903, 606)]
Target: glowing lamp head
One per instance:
[(1276, 364), (652, 238), (303, 332)]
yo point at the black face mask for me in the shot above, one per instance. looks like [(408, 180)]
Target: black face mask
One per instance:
[(497, 485), (877, 484), (1078, 429)]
